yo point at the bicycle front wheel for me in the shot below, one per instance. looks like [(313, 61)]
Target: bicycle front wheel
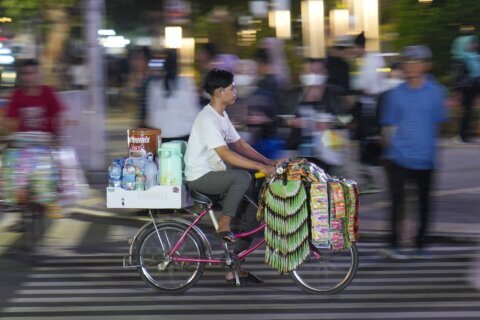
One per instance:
[(156, 267), (326, 271)]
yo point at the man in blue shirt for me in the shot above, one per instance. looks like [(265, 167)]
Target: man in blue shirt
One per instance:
[(411, 115)]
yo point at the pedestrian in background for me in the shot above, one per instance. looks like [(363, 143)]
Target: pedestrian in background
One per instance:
[(137, 79), (316, 113), (171, 101), (412, 114), (465, 54), (246, 74), (263, 108), (370, 84), (32, 106), (337, 63)]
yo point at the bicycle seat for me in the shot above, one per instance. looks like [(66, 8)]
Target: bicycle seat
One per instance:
[(207, 199)]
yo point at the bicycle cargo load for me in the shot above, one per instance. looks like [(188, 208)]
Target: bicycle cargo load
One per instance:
[(157, 197), (305, 203)]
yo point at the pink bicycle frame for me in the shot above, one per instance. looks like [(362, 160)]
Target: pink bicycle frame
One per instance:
[(242, 255)]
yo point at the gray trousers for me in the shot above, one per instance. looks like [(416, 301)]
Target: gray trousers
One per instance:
[(234, 184)]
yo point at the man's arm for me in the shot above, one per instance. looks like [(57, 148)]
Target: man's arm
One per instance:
[(245, 150), (237, 160)]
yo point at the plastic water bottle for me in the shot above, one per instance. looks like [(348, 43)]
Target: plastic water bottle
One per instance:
[(115, 175), (140, 182), (151, 172)]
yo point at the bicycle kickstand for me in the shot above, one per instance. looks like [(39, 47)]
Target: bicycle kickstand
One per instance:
[(232, 263), (236, 274)]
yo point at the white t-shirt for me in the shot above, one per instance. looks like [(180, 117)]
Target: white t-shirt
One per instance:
[(210, 130), (371, 77)]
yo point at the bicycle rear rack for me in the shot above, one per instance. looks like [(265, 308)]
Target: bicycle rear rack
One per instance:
[(127, 263)]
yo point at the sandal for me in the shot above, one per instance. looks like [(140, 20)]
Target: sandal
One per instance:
[(248, 278), (227, 236)]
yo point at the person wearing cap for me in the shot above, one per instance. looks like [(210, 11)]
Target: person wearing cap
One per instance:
[(412, 114)]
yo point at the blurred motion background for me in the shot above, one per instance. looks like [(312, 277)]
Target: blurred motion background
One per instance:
[(97, 53), (299, 69)]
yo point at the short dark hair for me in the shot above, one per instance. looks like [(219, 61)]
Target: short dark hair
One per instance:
[(217, 78)]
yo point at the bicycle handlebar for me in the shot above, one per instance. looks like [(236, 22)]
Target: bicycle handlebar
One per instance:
[(279, 168), (260, 175)]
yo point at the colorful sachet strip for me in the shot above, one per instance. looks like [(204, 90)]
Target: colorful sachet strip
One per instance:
[(305, 202), (334, 213)]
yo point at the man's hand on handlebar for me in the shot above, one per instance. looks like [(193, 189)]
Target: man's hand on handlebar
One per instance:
[(268, 170)]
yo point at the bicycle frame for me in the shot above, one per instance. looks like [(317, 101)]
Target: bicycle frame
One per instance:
[(242, 255)]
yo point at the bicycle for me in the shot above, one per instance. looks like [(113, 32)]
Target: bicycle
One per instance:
[(170, 255), (27, 201)]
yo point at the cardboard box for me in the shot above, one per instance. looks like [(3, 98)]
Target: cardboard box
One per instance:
[(157, 197)]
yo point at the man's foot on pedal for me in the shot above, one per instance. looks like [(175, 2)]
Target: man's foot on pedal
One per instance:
[(226, 236)]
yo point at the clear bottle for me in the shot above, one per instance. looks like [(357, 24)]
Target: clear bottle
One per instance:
[(151, 172), (140, 182), (128, 175), (115, 175)]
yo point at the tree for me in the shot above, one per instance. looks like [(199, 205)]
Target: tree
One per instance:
[(435, 24), (49, 21)]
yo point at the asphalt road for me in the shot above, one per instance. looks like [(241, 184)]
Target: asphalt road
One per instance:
[(77, 273)]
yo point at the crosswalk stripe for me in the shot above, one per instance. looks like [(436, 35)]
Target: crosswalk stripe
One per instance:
[(262, 304), (137, 282), (8, 238), (279, 316), (65, 232), (139, 297), (76, 285)]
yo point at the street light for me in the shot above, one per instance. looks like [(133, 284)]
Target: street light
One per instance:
[(173, 37), (271, 18), (187, 52), (356, 6), (339, 22), (371, 24), (282, 24), (313, 28)]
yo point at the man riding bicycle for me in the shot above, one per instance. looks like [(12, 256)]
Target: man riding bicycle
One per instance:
[(213, 143)]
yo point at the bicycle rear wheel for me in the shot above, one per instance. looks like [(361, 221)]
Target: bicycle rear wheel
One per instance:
[(155, 266), (326, 271)]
